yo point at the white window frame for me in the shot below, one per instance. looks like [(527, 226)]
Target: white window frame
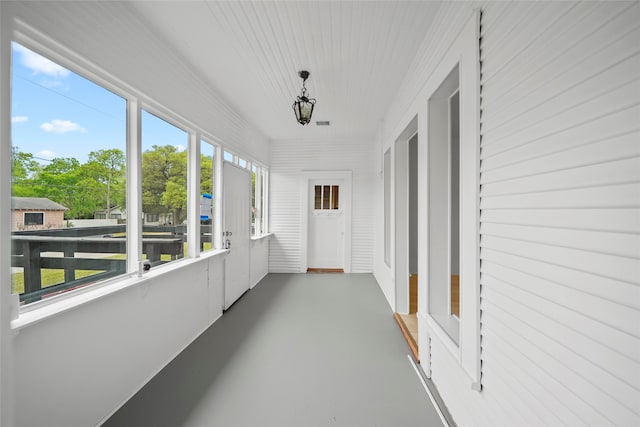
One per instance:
[(135, 102), (261, 204), (464, 52), (214, 191)]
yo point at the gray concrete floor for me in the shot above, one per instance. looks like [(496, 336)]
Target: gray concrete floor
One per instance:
[(298, 350)]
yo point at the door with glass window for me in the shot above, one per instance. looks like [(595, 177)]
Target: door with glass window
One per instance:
[(326, 225)]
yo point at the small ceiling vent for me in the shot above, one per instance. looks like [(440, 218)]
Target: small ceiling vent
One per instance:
[(323, 123)]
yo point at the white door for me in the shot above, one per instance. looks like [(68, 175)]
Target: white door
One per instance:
[(236, 231), (326, 224)]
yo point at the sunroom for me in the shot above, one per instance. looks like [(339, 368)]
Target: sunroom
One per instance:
[(479, 162)]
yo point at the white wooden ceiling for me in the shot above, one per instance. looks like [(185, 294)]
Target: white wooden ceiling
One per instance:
[(251, 51)]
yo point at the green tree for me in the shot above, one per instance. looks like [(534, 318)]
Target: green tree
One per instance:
[(206, 174), (162, 165), (108, 168), (57, 181), (23, 171)]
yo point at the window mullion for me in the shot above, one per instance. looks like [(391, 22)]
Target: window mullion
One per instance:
[(217, 197), (193, 195), (134, 186), (265, 207), (258, 202)]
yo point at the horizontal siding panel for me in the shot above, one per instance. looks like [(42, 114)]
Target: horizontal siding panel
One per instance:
[(618, 244), (577, 23), (564, 325), (552, 390), (538, 123), (519, 385), (616, 172), (598, 407), (623, 293), (617, 268), (576, 300), (507, 47), (503, 377), (608, 196), (503, 18), (612, 220), (587, 83), (578, 50), (598, 129), (613, 149)]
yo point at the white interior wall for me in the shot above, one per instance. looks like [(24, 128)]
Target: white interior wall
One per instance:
[(76, 367), (259, 259), (288, 160), (560, 206)]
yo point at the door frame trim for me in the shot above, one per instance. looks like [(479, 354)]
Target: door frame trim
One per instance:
[(305, 178), (400, 216)]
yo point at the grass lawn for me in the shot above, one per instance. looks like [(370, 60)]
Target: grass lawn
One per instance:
[(49, 277), (55, 276)]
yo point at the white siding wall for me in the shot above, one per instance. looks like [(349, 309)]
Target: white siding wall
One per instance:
[(560, 206), (288, 159), (560, 214)]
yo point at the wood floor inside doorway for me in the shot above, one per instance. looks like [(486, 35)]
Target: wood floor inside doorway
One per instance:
[(408, 323)]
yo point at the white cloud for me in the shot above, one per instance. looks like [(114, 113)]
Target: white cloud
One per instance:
[(19, 119), (61, 126), (39, 64), (180, 147), (46, 154)]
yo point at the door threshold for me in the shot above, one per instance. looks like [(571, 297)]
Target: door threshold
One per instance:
[(325, 270), (409, 335)]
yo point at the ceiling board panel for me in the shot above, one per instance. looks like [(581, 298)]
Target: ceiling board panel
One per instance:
[(250, 52)]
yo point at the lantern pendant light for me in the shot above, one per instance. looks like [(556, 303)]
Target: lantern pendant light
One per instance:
[(303, 106)]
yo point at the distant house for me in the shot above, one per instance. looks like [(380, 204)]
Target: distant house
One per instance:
[(36, 213), (115, 212), (161, 218)]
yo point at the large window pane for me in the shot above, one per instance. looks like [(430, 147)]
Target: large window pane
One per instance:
[(258, 197), (207, 199), (68, 179), (164, 190)]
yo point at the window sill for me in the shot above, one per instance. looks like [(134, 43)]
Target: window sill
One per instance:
[(43, 310), (262, 236)]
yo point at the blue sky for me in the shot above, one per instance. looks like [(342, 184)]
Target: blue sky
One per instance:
[(57, 113)]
